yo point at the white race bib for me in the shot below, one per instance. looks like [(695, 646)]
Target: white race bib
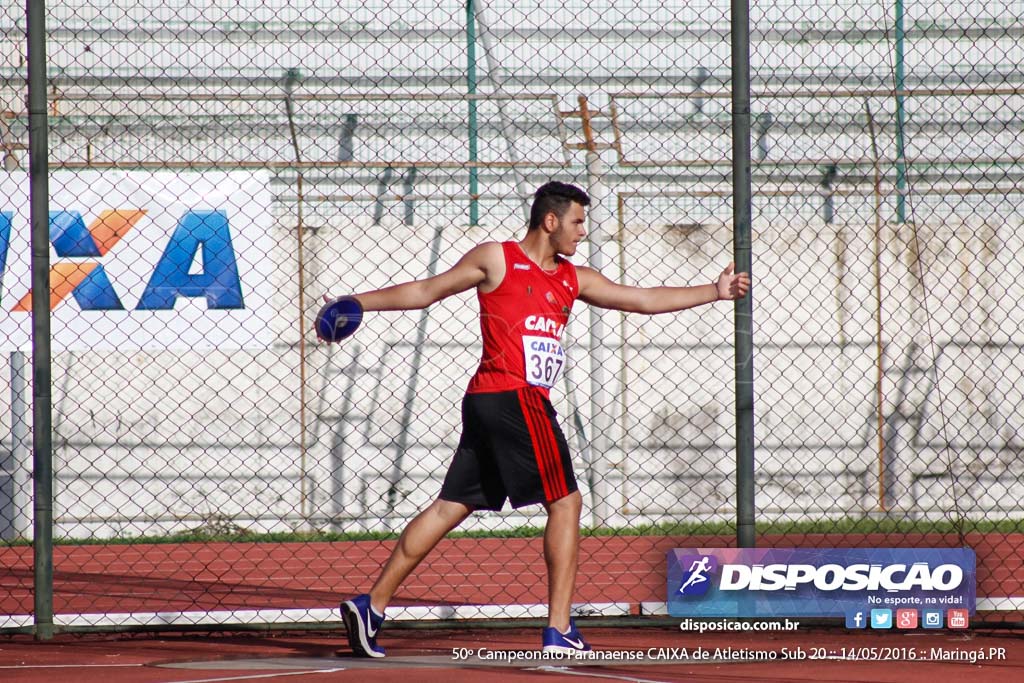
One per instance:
[(545, 359)]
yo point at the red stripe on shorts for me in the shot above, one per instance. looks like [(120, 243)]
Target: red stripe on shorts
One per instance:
[(547, 446), (532, 427)]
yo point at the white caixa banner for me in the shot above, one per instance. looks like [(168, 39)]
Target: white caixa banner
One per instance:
[(142, 261)]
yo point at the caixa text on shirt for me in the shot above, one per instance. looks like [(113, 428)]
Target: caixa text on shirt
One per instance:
[(538, 323)]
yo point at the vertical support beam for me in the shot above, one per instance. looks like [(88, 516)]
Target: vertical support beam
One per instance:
[(901, 157), (21, 521), (42, 405), (601, 401), (346, 144), (764, 124), (743, 308), (402, 444), (508, 129), (474, 181), (408, 187), (383, 185), (352, 372), (698, 81), (879, 339), (292, 77), (828, 206)]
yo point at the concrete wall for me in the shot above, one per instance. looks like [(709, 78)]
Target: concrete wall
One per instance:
[(157, 442)]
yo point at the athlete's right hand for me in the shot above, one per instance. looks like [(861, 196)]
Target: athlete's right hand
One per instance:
[(732, 285)]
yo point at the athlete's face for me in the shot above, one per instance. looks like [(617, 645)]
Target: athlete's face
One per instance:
[(570, 231)]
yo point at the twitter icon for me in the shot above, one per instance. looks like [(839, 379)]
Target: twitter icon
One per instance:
[(881, 618)]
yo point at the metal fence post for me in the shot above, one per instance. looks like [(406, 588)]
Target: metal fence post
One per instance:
[(900, 85), (600, 355), (742, 210), (42, 422), (474, 187)]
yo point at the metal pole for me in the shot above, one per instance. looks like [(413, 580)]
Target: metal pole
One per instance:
[(346, 146), (507, 127), (600, 355), (744, 330), (42, 418), (408, 187), (21, 521), (383, 184), (398, 468), (291, 80), (352, 372), (582, 443), (879, 343), (474, 183), (901, 163)]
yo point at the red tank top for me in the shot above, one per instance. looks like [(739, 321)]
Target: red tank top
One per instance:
[(521, 323)]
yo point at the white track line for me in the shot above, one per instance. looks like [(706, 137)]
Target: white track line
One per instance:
[(258, 676), (315, 615), (574, 672), (66, 666)]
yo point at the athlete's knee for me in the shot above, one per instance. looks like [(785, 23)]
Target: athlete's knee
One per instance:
[(570, 504), (451, 511)]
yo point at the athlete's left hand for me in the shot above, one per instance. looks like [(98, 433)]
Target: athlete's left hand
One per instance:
[(732, 285)]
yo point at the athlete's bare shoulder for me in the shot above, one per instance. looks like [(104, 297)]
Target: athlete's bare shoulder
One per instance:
[(490, 258), (485, 250)]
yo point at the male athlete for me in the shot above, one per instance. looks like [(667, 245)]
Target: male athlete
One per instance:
[(511, 445)]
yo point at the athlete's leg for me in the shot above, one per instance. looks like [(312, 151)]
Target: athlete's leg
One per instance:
[(561, 553), (416, 541)]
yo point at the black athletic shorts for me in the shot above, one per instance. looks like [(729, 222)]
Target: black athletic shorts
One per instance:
[(511, 447)]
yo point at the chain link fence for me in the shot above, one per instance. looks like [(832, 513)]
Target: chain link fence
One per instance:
[(217, 167)]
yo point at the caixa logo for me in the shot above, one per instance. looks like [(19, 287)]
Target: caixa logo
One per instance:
[(82, 251)]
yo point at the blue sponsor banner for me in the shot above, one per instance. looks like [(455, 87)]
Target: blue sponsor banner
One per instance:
[(817, 582)]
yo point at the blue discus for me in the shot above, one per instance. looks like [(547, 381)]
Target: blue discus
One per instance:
[(338, 319)]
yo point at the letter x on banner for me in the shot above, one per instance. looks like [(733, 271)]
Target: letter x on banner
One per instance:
[(142, 261)]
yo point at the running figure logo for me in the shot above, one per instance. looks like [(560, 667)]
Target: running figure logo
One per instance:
[(697, 574)]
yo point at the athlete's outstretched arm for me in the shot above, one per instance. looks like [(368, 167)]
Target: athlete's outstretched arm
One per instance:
[(471, 270), (598, 290)]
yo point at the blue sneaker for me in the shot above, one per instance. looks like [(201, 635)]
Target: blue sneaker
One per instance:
[(362, 625), (566, 643)]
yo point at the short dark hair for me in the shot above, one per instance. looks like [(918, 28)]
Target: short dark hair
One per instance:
[(555, 197)]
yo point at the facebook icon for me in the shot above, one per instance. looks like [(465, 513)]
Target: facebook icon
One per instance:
[(856, 619)]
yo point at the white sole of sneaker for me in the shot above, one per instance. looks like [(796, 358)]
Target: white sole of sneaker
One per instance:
[(356, 630)]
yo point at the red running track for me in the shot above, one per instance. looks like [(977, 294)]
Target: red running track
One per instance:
[(245, 576)]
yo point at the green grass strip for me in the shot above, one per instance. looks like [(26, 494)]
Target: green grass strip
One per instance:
[(222, 531)]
